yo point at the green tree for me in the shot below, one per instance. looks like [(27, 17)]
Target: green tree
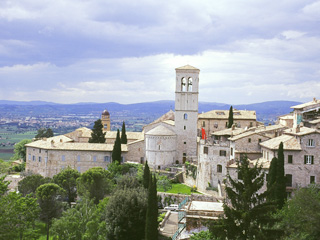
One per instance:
[(230, 118), (30, 184), (146, 175), (49, 197), (276, 184), (80, 222), (247, 214), (151, 230), (44, 133), (17, 216), (97, 134), (67, 179), (203, 235), (4, 167), (301, 215), (123, 134), (20, 150), (125, 214), (116, 152), (280, 189), (94, 184), (3, 185)]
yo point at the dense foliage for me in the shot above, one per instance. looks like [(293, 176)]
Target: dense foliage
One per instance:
[(20, 150), (29, 184), (97, 134), (151, 230), (123, 134), (230, 118), (44, 133), (116, 152), (247, 214)]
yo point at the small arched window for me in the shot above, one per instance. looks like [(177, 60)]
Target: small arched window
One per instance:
[(185, 116), (190, 84), (219, 168), (183, 84)]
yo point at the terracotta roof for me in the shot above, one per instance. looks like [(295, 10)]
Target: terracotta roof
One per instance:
[(302, 131), (167, 116), (269, 128), (228, 132), (289, 143), (161, 131), (72, 146), (224, 114), (187, 67), (243, 135), (308, 104), (264, 162)]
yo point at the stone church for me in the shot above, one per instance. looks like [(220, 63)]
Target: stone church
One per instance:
[(171, 139)]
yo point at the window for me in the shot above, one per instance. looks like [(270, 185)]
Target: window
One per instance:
[(310, 143), (226, 124), (33, 158), (94, 158), (39, 159), (141, 159), (190, 84), (223, 153), (78, 158), (231, 150), (184, 142), (183, 84), (159, 147), (184, 127), (106, 158), (215, 125), (63, 158), (288, 180), (290, 158), (39, 150), (312, 179), (259, 140), (205, 150), (249, 140), (46, 159), (203, 124), (219, 168), (308, 159), (122, 159), (251, 124), (185, 116), (29, 157)]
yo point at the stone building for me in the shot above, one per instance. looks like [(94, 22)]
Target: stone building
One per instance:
[(217, 120)]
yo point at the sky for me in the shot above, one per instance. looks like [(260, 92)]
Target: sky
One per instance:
[(248, 51)]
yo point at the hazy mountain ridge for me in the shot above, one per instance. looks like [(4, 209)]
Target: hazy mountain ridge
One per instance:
[(265, 110)]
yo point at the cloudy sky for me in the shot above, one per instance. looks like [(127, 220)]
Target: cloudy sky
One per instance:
[(125, 51)]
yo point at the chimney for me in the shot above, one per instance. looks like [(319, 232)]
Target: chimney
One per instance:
[(233, 127), (52, 143), (297, 129)]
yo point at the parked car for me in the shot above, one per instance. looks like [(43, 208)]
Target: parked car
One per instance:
[(172, 207)]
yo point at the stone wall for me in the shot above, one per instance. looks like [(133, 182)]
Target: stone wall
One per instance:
[(178, 198)]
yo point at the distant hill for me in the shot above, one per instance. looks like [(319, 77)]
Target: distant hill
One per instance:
[(265, 110)]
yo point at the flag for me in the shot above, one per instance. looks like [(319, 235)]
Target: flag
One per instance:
[(203, 134)]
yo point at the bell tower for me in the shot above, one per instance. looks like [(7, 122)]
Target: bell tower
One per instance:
[(186, 111), (105, 119)]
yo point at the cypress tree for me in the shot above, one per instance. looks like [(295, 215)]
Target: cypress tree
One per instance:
[(280, 190), (151, 232), (230, 119), (97, 135), (272, 176), (116, 152), (123, 134), (146, 175)]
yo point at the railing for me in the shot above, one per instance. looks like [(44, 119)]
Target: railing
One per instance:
[(181, 215)]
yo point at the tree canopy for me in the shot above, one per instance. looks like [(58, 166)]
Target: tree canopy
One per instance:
[(94, 184), (123, 134), (20, 150), (230, 118), (116, 152), (247, 214), (30, 184), (151, 231), (44, 133), (67, 179), (97, 134), (126, 214)]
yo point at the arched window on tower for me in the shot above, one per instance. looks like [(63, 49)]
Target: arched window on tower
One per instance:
[(190, 84), (105, 126), (185, 116), (183, 84)]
